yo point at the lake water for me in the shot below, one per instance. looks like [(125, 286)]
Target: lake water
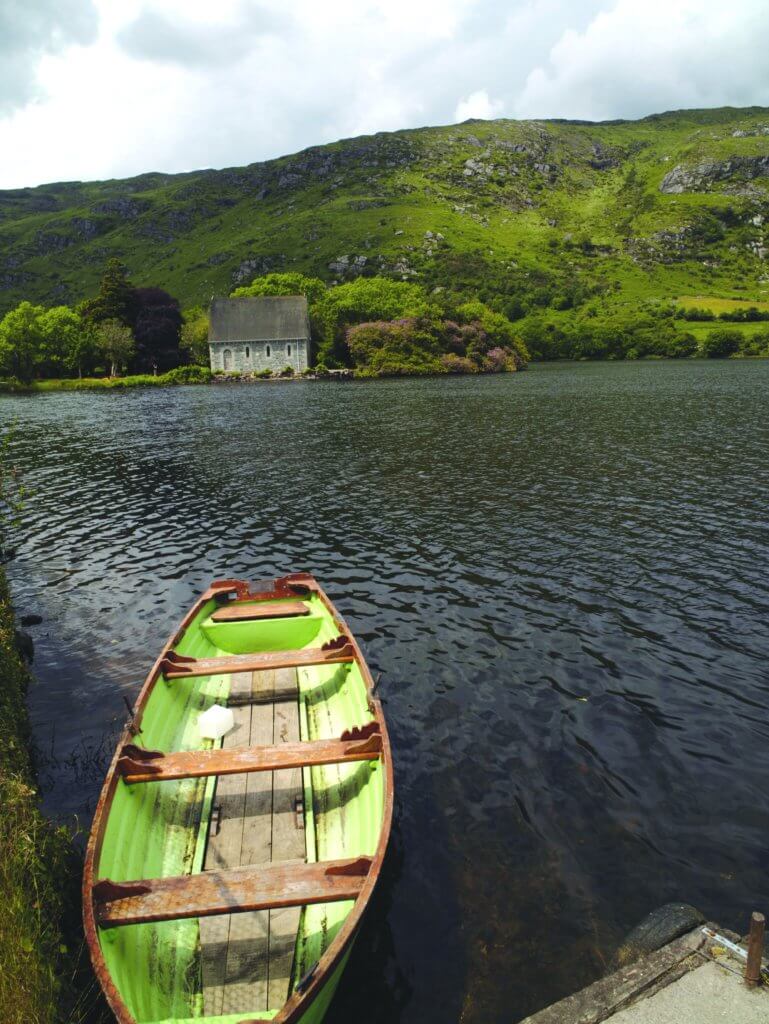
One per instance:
[(563, 578)]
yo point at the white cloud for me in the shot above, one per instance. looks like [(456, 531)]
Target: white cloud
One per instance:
[(28, 31), (169, 85), (635, 59), (479, 105)]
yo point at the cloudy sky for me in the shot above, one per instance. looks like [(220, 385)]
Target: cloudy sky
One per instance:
[(109, 88)]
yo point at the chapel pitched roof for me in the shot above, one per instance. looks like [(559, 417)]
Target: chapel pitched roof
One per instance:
[(259, 318)]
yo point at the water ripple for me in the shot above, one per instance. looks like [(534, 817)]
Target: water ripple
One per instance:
[(561, 576)]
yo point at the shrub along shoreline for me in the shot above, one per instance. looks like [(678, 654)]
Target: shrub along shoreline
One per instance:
[(41, 950)]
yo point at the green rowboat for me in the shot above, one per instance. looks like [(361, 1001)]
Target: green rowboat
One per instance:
[(226, 878)]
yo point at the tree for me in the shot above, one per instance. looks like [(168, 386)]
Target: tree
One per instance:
[(291, 283), (116, 299), (115, 342), (391, 348), (62, 335), (364, 300), (498, 331), (721, 343), (194, 336), (20, 341), (157, 327)]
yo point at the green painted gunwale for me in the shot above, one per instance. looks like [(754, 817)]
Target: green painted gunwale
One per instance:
[(155, 830)]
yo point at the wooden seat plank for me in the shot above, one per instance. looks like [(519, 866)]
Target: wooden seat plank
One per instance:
[(246, 612), (194, 764), (263, 887), (177, 667)]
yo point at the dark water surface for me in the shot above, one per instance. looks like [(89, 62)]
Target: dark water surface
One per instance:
[(562, 576)]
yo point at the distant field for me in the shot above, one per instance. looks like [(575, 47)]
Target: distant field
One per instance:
[(699, 329), (718, 305)]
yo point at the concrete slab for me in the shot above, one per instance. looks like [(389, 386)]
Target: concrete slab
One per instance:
[(711, 994), (692, 980)]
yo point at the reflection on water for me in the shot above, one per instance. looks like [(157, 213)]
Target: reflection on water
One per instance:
[(562, 577)]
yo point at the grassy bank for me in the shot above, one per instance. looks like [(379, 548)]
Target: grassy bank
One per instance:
[(40, 948), (182, 375)]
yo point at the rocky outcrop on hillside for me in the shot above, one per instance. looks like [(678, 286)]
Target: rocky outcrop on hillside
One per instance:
[(578, 197), (702, 176)]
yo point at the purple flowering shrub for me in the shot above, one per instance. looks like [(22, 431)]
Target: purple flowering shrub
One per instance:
[(421, 345)]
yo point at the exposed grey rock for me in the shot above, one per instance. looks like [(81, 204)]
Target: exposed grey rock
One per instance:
[(701, 176), (289, 180), (87, 228), (51, 241), (603, 158), (348, 265), (128, 209), (255, 265)]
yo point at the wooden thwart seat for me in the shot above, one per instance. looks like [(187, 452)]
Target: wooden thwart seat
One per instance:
[(237, 612), (139, 765), (178, 666), (262, 887)]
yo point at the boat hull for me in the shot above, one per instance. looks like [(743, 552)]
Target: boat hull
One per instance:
[(145, 833)]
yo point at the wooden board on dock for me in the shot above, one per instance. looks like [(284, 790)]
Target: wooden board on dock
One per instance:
[(248, 957)]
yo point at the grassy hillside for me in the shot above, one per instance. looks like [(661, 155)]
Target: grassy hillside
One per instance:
[(670, 205)]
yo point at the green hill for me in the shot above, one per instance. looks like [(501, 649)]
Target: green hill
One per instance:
[(673, 204)]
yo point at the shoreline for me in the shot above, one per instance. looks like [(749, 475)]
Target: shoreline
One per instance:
[(206, 378), (42, 970)]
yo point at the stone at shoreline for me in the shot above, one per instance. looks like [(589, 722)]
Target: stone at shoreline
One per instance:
[(31, 620), (25, 645)]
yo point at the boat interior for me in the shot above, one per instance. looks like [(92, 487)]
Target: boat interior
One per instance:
[(226, 868)]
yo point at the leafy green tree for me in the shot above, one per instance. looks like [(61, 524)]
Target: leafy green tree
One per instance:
[(21, 341), (720, 344), (62, 333), (367, 299), (116, 299), (290, 283), (116, 343), (194, 337)]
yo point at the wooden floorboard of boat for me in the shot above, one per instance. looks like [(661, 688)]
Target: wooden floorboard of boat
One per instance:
[(251, 970), (223, 851)]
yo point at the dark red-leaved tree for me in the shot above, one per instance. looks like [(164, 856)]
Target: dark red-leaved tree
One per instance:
[(157, 329)]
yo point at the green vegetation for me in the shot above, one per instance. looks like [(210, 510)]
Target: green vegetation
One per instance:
[(593, 233), (529, 214), (38, 872), (181, 375), (123, 326), (721, 344), (387, 328)]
